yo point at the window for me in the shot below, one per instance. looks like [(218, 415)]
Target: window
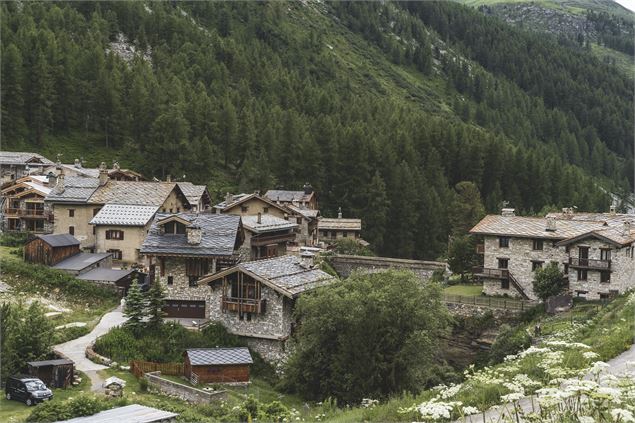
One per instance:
[(265, 209), (193, 280), (503, 241), (582, 274), (71, 212), (605, 254), (566, 268), (299, 220), (504, 283), (171, 228), (333, 234), (114, 234), (170, 280), (116, 254), (503, 263), (535, 265), (170, 209), (344, 234), (604, 296), (538, 244), (244, 209), (71, 230), (605, 277)]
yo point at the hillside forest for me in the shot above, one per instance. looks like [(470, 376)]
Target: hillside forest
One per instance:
[(383, 107)]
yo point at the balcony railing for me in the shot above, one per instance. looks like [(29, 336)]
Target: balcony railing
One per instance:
[(272, 239), (27, 212), (491, 273), (590, 263), (245, 305)]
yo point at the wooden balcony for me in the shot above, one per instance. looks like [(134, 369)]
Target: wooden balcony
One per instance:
[(272, 239), (589, 263), (244, 305), (480, 248), (37, 213), (485, 272)]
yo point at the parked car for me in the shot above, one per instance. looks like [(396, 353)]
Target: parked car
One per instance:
[(27, 389)]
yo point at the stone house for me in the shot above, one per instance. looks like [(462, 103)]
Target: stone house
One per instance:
[(307, 198), (307, 220), (267, 236), (75, 201), (120, 229), (23, 205), (197, 195), (331, 230), (593, 250), (181, 248), (256, 299), (77, 168), (250, 205), (15, 165)]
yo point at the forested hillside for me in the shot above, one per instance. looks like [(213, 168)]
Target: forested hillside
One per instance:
[(384, 108)]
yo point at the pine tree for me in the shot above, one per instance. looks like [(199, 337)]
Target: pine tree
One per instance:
[(135, 306), (41, 94), (11, 96), (156, 301)]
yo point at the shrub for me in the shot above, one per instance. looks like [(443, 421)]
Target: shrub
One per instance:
[(508, 342), (16, 239), (81, 405), (143, 384), (275, 411), (66, 334)]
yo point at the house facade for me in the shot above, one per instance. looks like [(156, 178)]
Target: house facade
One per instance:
[(593, 251), (15, 165), (23, 205), (256, 299), (182, 248), (307, 198), (331, 230), (267, 236)]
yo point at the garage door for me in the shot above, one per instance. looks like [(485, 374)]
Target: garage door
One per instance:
[(182, 308)]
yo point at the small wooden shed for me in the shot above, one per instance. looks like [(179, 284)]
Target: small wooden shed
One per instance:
[(50, 249), (217, 365), (54, 373)]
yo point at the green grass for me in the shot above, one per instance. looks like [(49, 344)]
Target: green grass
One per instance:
[(465, 290), (14, 411), (6, 253)]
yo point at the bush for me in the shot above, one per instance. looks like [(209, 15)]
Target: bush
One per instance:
[(66, 334), (509, 341), (143, 384), (15, 239), (81, 405)]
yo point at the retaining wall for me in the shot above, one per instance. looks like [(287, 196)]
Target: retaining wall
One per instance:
[(344, 265), (184, 392)]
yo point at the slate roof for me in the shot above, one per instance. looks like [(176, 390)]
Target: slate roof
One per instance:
[(58, 362), (80, 261), (192, 192), (21, 158), (218, 356), (103, 274), (133, 413), (84, 171), (326, 223), (307, 213), (219, 233), (77, 189), (533, 227), (288, 196), (59, 240), (285, 274), (235, 199), (124, 215), (268, 223), (133, 192)]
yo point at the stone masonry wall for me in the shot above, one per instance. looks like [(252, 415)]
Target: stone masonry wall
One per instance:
[(622, 270), (520, 254), (344, 265), (184, 392), (180, 288)]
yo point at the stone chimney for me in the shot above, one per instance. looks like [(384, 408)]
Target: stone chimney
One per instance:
[(507, 212), (52, 179), (339, 212), (228, 198), (307, 260), (77, 163), (59, 186), (103, 174), (168, 178), (115, 165), (194, 234), (551, 224), (308, 189), (259, 218), (626, 228), (613, 209)]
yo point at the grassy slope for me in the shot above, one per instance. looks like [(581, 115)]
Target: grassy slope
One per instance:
[(571, 6)]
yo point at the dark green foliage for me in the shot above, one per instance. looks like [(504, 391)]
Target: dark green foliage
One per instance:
[(25, 335), (254, 92), (135, 308), (351, 247), (509, 341), (462, 255), (81, 405), (155, 303), (13, 239), (549, 281), (368, 336), (66, 334)]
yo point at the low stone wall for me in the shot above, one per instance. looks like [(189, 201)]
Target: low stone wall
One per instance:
[(469, 310), (96, 358), (184, 392), (344, 265)]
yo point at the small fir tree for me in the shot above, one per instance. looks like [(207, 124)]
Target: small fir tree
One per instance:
[(135, 306), (156, 301)]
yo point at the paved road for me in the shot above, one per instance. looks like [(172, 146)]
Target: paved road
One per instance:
[(76, 348), (618, 367)]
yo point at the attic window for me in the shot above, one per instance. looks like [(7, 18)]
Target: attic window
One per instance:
[(172, 228), (243, 209)]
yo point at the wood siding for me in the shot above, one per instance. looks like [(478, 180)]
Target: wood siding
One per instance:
[(218, 374), (39, 252)]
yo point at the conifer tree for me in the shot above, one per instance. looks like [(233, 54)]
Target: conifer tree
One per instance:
[(135, 306), (156, 301)]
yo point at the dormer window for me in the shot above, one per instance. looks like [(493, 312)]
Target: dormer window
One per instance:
[(173, 227)]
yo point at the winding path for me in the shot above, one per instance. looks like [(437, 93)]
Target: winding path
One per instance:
[(76, 348), (619, 367)]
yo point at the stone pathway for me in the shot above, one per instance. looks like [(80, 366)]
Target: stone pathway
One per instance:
[(76, 348), (619, 367)]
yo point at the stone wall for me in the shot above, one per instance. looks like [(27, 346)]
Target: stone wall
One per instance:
[(344, 265), (273, 351), (83, 213), (622, 270), (184, 392)]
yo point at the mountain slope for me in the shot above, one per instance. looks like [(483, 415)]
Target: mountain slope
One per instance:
[(384, 108)]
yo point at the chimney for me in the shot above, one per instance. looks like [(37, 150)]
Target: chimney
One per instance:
[(103, 174), (507, 212), (307, 260), (551, 224), (115, 165), (228, 198), (339, 212), (613, 209), (78, 164), (168, 178), (626, 229), (194, 234), (59, 186), (52, 179), (259, 218), (308, 189)]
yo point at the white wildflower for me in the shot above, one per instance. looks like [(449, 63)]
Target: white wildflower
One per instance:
[(622, 415), (468, 411), (586, 419), (589, 355)]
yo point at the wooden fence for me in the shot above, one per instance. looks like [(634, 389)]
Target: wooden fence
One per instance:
[(139, 368), (490, 302)]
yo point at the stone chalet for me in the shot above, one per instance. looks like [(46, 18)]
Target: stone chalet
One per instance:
[(306, 198), (331, 230), (267, 236), (595, 252), (14, 165), (23, 205), (181, 248), (256, 299)]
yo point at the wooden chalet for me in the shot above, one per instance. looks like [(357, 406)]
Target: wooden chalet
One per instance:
[(217, 365), (54, 373), (50, 250)]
